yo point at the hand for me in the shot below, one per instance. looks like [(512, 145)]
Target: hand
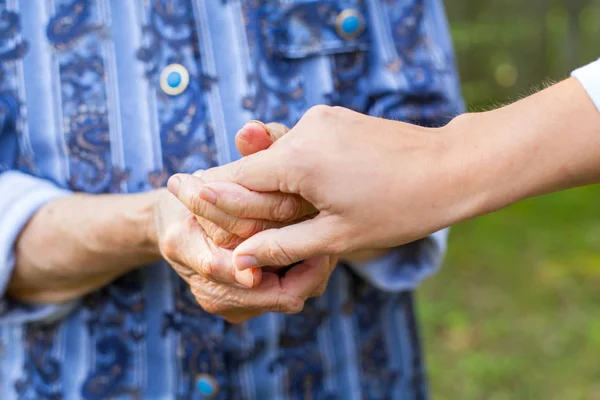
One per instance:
[(208, 269), (327, 159), (384, 183), (230, 227), (251, 212)]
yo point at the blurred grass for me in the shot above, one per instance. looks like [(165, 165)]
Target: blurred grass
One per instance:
[(515, 312)]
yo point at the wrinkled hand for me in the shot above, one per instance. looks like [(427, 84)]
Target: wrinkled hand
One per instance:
[(213, 280)]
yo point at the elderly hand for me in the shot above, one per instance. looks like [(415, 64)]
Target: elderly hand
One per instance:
[(215, 283)]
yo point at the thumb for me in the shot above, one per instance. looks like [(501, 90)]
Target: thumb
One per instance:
[(290, 244), (256, 136), (261, 172)]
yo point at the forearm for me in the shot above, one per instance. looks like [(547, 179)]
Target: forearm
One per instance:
[(74, 245), (544, 143)]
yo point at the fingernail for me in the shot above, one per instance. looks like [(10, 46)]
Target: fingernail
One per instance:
[(251, 279), (173, 184), (207, 194), (245, 262), (256, 276), (261, 124), (245, 279)]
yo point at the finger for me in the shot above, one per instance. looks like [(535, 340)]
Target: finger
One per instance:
[(256, 136), (218, 268), (239, 226), (192, 249), (330, 264), (263, 171), (238, 201), (218, 235), (190, 191), (287, 245), (275, 294), (308, 278)]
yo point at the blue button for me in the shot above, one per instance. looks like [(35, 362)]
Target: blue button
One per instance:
[(206, 386), (350, 24), (174, 79)]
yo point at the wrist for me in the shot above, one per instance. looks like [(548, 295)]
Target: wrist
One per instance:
[(482, 163), (543, 143), (146, 219)]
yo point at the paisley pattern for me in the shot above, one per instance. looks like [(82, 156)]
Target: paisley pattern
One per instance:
[(42, 369), (12, 48), (76, 31), (300, 355), (200, 342), (276, 88), (347, 70), (187, 137), (116, 325), (366, 307), (295, 59)]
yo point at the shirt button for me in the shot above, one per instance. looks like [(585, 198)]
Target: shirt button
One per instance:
[(207, 386), (350, 24), (174, 79)]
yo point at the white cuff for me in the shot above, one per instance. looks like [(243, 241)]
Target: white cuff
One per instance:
[(589, 77)]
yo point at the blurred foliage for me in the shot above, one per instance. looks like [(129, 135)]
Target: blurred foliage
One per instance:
[(506, 47), (515, 312)]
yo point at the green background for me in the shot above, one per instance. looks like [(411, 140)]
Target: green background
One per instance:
[(515, 311)]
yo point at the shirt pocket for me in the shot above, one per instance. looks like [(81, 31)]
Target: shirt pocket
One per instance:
[(297, 29)]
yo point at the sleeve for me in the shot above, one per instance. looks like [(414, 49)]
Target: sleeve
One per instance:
[(404, 267), (589, 77), (424, 90), (21, 195)]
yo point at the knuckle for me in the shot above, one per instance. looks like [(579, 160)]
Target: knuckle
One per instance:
[(287, 208), (197, 204), (319, 111), (279, 254), (291, 305), (209, 266), (210, 229), (170, 243), (225, 239), (246, 228), (212, 308)]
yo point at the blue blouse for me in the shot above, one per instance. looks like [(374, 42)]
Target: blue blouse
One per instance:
[(114, 96)]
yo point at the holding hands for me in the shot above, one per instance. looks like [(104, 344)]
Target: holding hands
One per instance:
[(197, 239)]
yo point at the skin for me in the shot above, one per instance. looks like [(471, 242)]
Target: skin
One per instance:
[(85, 241), (230, 226), (75, 245), (406, 182)]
